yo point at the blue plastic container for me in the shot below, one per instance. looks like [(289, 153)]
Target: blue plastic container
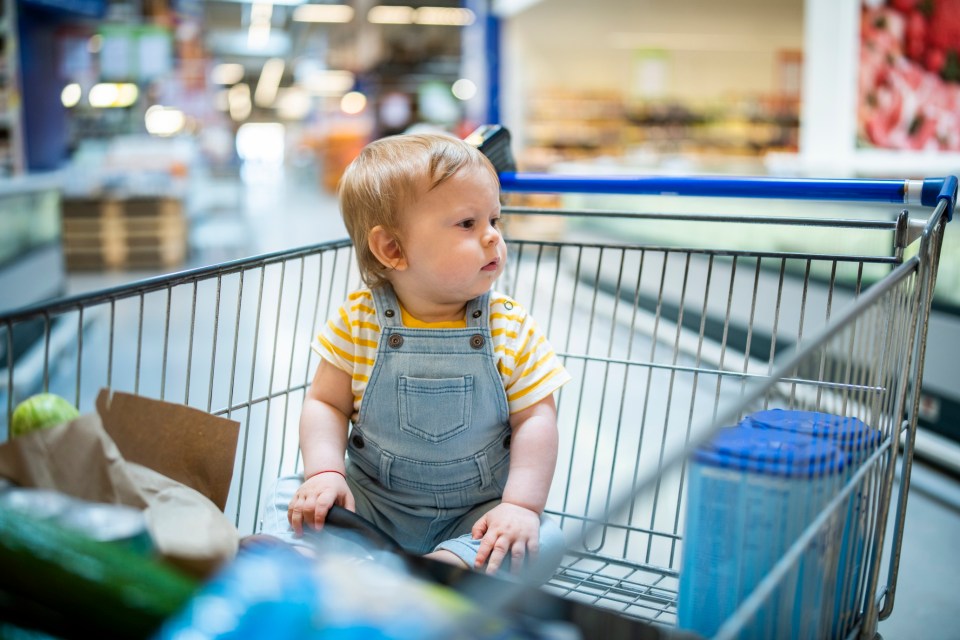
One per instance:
[(751, 492), (859, 441)]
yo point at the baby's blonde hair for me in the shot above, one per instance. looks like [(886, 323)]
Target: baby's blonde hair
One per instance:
[(387, 177)]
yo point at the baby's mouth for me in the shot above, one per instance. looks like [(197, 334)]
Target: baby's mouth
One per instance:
[(492, 265)]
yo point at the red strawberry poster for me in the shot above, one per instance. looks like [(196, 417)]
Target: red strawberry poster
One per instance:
[(909, 93)]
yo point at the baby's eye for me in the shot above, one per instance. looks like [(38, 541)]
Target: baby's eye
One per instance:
[(495, 222), (466, 224)]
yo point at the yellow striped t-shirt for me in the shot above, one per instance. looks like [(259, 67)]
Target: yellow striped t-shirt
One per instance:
[(528, 366)]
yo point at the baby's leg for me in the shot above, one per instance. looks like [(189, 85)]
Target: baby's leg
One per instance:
[(274, 523), (442, 555), (273, 515)]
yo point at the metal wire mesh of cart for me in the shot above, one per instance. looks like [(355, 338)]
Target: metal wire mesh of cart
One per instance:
[(665, 344)]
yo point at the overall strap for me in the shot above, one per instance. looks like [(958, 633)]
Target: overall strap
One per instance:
[(478, 311), (388, 308)]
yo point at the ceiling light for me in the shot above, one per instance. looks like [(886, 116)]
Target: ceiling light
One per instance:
[(261, 15), (323, 13), (113, 95), (164, 121), (444, 16), (384, 14), (269, 82), (258, 36), (353, 103), (239, 99), (261, 12), (70, 96), (261, 142), (227, 73), (464, 89)]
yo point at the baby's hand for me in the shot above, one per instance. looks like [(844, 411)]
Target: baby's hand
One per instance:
[(507, 528), (312, 501)]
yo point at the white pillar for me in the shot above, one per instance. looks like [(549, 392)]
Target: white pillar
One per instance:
[(828, 118)]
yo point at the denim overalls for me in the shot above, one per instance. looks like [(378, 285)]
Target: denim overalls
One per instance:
[(432, 438), (429, 452)]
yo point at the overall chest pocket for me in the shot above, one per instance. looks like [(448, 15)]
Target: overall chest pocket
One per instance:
[(435, 409)]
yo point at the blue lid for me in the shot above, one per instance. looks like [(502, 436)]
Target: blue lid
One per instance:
[(772, 452), (851, 434)]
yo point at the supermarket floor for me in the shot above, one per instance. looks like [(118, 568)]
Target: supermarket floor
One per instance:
[(230, 218)]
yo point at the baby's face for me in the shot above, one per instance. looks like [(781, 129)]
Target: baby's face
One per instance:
[(451, 238)]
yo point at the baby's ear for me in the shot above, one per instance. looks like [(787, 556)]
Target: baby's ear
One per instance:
[(386, 248)]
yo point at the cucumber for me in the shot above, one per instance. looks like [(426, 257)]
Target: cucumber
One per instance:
[(99, 587)]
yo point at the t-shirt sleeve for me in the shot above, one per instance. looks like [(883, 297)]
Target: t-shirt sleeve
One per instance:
[(335, 342), (534, 371)]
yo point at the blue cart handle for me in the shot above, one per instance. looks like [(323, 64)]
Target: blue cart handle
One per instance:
[(930, 190)]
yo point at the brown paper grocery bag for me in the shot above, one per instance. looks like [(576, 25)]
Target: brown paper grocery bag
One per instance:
[(173, 461), (182, 443)]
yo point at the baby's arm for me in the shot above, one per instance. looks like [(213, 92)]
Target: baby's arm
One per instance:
[(323, 444), (514, 525)]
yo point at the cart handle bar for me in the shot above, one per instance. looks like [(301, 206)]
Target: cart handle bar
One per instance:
[(927, 192)]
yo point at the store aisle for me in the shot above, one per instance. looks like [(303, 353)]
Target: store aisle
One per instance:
[(230, 219)]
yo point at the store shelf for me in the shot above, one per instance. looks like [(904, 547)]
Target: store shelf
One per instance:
[(571, 125), (567, 125), (138, 232)]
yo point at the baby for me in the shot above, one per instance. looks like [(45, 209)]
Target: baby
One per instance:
[(448, 385)]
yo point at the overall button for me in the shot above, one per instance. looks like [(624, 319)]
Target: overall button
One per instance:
[(395, 341), (506, 442), (477, 341), (358, 442), (388, 313), (477, 313)]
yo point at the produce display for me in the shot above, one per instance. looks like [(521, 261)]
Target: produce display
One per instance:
[(909, 80)]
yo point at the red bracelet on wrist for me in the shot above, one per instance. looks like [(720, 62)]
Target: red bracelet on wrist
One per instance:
[(313, 475)]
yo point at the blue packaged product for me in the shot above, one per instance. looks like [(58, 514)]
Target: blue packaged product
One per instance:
[(751, 493), (275, 592), (859, 440)]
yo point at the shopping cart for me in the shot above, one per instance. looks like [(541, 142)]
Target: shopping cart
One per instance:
[(667, 343)]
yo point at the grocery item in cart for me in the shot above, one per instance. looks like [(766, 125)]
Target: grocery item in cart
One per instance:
[(40, 411), (752, 492), (71, 586), (115, 523), (273, 592), (859, 441)]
